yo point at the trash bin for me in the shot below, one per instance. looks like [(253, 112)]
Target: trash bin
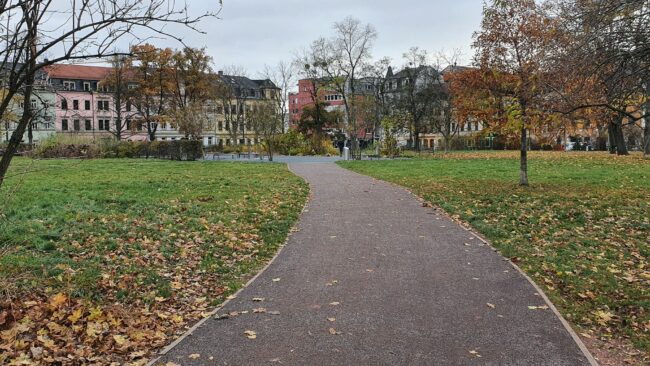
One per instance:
[(346, 153)]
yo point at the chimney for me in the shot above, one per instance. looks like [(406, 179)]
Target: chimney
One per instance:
[(220, 72)]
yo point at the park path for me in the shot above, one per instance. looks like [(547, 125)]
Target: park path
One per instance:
[(372, 277)]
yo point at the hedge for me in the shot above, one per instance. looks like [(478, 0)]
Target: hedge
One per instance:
[(188, 150)]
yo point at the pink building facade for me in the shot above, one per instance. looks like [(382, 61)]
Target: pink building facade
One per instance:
[(83, 109)]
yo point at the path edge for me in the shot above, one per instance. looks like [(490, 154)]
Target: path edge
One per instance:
[(214, 312), (583, 348)]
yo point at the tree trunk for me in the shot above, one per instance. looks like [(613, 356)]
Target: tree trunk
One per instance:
[(523, 168), (621, 147), (27, 116), (30, 132), (612, 137), (270, 145), (17, 135), (646, 137)]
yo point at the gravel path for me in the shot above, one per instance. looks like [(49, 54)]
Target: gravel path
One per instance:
[(372, 277)]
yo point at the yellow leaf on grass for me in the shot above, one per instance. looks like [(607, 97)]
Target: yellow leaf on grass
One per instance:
[(75, 316), (603, 317), (57, 300)]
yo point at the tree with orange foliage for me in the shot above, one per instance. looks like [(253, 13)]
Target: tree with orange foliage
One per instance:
[(511, 48), (152, 71)]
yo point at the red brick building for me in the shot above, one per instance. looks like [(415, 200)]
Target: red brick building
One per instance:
[(305, 97)]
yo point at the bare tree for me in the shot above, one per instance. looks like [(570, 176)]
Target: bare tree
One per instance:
[(418, 90), (266, 121), (91, 30), (117, 84), (343, 58), (283, 75), (378, 72)]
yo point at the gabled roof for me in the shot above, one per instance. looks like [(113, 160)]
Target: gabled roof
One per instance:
[(78, 72), (266, 84), (242, 82)]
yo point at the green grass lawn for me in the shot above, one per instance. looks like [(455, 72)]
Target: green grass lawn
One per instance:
[(115, 256), (581, 230)]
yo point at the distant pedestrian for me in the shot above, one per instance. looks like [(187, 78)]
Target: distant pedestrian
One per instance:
[(340, 144)]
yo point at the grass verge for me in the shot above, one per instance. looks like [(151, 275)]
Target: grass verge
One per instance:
[(107, 260), (581, 231)]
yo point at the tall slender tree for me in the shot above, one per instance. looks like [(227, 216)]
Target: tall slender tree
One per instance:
[(343, 59), (511, 47), (117, 84)]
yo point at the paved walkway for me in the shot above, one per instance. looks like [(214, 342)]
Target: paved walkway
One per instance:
[(374, 278)]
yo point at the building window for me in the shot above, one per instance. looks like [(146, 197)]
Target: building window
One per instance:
[(77, 125), (102, 105), (87, 105), (89, 125), (86, 86), (69, 85), (209, 140), (138, 126), (242, 141), (75, 105), (128, 124), (128, 106), (476, 126), (64, 104), (64, 124), (104, 124), (220, 126)]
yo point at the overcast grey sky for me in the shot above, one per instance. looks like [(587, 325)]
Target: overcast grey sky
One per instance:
[(252, 33)]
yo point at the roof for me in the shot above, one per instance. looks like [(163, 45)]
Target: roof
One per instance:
[(242, 82), (455, 68), (408, 72), (78, 72)]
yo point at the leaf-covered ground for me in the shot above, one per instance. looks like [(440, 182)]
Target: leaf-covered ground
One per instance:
[(581, 230), (106, 261)]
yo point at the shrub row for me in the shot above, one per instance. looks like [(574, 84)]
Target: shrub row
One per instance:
[(172, 150)]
